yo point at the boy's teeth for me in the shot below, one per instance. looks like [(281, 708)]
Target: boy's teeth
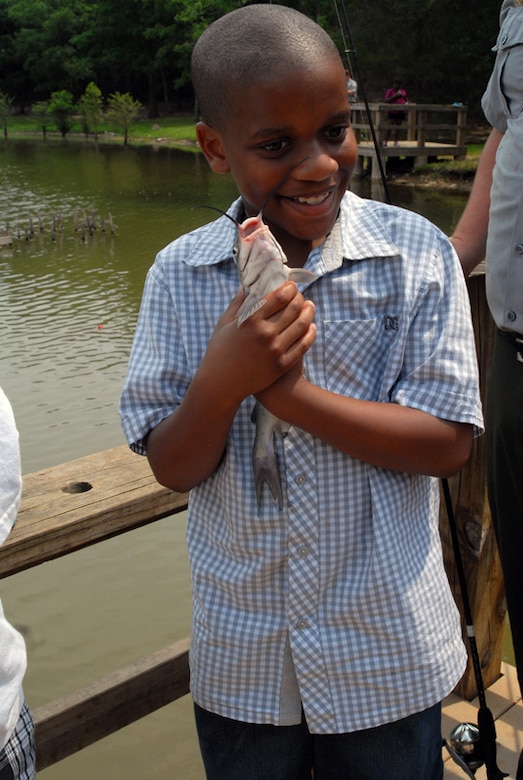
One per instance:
[(314, 201)]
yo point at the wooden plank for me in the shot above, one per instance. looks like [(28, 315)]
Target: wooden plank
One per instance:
[(82, 717), (476, 535), (116, 493)]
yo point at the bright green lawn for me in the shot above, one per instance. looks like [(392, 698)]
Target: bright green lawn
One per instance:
[(175, 129)]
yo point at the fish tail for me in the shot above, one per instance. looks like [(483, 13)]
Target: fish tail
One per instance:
[(266, 473)]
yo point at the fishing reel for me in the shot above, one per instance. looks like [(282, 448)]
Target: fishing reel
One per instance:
[(464, 746)]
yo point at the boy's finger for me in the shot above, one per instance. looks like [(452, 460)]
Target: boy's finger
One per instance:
[(278, 299)]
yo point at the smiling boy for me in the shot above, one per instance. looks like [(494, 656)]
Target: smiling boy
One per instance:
[(324, 634)]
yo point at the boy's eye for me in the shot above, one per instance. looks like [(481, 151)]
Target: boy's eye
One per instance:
[(275, 146), (337, 133)]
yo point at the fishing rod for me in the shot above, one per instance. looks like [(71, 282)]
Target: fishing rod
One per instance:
[(486, 750), (469, 746), (346, 33)]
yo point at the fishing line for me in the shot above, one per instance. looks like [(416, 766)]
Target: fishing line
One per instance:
[(345, 26), (486, 726)]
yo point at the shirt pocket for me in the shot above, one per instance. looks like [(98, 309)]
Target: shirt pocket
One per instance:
[(355, 355)]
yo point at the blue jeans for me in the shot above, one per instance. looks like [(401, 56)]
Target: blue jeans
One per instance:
[(409, 749)]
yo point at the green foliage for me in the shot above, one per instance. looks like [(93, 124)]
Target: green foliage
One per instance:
[(440, 49), (40, 111), (61, 108), (123, 110), (90, 106), (6, 107)]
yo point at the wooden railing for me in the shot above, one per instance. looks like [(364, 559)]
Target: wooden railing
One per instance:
[(423, 122), (89, 500), (422, 136), (67, 508)]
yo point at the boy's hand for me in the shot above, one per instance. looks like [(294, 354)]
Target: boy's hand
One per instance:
[(242, 361)]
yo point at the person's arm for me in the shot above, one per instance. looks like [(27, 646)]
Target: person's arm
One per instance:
[(187, 446), (386, 435), (470, 236)]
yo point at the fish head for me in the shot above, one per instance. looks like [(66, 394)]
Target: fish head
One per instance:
[(259, 255)]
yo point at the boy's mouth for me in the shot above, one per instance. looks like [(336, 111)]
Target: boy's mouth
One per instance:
[(312, 200), (316, 199)]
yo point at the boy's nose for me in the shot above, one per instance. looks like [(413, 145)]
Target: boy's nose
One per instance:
[(319, 164)]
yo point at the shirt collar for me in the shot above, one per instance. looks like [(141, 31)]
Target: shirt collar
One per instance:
[(358, 234)]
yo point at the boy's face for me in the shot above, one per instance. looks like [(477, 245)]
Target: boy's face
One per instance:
[(302, 115)]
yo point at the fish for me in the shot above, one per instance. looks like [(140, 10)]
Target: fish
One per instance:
[(262, 268)]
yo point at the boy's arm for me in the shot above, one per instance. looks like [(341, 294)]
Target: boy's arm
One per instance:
[(470, 236), (187, 446), (386, 435)]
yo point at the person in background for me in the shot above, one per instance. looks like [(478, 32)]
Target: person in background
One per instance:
[(324, 631), (352, 87), (397, 96), (17, 749), (491, 226)]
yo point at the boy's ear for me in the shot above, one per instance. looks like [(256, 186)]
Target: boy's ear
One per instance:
[(211, 144)]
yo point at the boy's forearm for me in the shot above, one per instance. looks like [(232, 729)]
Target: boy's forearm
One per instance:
[(470, 236), (382, 434), (186, 447)]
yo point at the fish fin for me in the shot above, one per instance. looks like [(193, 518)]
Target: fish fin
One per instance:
[(301, 275), (266, 473), (250, 305), (264, 460)]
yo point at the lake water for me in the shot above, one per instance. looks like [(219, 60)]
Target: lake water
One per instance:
[(68, 307)]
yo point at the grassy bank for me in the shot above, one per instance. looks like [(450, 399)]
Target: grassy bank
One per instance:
[(176, 130), (179, 131)]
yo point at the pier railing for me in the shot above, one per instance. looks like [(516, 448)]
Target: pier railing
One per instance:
[(428, 131), (86, 501), (66, 508)]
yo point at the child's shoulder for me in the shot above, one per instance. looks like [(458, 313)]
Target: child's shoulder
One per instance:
[(204, 245), (392, 217), (381, 229)]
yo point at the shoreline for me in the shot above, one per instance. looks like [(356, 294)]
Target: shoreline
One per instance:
[(443, 176)]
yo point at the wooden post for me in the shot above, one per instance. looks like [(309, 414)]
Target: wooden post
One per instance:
[(412, 125), (461, 126), (476, 534)]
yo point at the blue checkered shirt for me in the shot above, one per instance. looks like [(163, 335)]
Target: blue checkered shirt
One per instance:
[(340, 602)]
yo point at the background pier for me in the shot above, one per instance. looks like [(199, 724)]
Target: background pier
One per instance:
[(429, 131)]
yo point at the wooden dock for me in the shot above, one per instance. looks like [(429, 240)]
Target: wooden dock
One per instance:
[(428, 132)]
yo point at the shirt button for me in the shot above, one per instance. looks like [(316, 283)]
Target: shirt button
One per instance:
[(519, 249), (300, 479), (303, 551), (301, 624), (511, 316)]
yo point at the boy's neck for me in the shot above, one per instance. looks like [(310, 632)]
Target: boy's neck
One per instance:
[(296, 249), (296, 252)]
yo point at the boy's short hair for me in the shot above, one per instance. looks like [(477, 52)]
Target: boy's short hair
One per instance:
[(247, 45)]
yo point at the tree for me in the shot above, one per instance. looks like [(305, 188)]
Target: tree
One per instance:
[(40, 110), (48, 42), (438, 48), (123, 110), (61, 108), (91, 110), (6, 109)]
